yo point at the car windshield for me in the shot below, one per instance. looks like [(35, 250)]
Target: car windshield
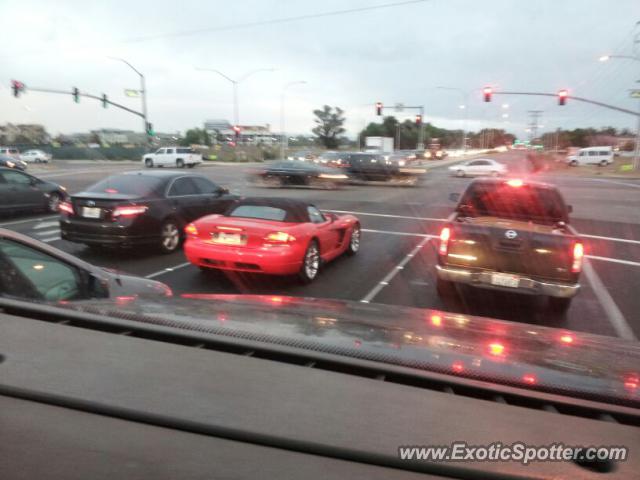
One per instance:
[(469, 164), (140, 185)]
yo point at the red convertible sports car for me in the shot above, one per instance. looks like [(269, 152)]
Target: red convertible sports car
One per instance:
[(277, 236)]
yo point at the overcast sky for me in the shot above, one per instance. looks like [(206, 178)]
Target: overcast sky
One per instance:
[(396, 54)]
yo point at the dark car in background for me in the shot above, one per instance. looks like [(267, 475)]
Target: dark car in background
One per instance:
[(141, 207), (297, 173), (32, 270), (367, 167), (302, 155), (12, 162), (20, 191)]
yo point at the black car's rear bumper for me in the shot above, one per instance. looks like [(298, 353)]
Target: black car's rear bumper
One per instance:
[(526, 285), (98, 233)]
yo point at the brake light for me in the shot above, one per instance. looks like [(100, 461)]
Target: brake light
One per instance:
[(66, 207), (566, 338), (436, 320), (445, 235), (515, 182), (279, 238), (496, 349), (529, 378), (578, 254), (191, 230), (130, 211)]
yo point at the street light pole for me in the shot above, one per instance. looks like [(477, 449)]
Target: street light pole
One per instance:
[(283, 135), (235, 83), (465, 99), (143, 94)]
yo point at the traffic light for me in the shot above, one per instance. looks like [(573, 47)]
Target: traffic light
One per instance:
[(17, 87), (378, 108), (236, 130), (150, 131), (488, 91), (418, 119), (562, 97), (76, 94), (105, 102)]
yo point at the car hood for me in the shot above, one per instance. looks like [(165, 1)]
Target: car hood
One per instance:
[(520, 355)]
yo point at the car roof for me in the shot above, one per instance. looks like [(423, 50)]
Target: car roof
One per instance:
[(296, 209)]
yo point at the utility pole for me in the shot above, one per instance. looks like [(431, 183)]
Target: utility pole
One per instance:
[(143, 95), (533, 125)]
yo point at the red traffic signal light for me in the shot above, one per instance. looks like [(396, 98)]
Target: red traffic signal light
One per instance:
[(488, 91), (562, 97), (379, 108), (418, 119), (17, 87)]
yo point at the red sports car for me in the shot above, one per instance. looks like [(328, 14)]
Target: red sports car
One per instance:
[(277, 236)]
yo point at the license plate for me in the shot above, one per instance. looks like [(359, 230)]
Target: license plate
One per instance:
[(229, 238), (504, 280), (89, 212)]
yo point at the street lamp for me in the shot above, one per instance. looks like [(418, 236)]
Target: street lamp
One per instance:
[(465, 99), (143, 91), (284, 138), (605, 58), (235, 83)]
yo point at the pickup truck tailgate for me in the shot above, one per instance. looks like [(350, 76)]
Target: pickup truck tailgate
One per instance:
[(512, 246)]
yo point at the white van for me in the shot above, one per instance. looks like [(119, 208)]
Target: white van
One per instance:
[(591, 156)]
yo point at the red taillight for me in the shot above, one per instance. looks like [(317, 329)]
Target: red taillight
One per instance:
[(279, 238), (496, 349), (129, 211), (191, 230), (578, 254), (529, 378), (457, 367), (445, 235), (66, 207), (566, 338), (436, 320), (515, 182)]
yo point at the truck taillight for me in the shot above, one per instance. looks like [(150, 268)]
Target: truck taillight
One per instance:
[(445, 235), (129, 211), (578, 255), (66, 207)]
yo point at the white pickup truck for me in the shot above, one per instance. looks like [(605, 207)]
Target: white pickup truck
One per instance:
[(179, 157)]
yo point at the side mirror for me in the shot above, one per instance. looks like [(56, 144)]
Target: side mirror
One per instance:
[(454, 197)]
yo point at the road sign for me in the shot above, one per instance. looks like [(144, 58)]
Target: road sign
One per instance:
[(634, 93), (132, 93), (399, 107)]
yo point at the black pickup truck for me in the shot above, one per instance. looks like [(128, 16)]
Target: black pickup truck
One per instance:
[(513, 236)]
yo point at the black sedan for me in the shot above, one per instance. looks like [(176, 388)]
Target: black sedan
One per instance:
[(374, 167), (30, 269), (10, 162), (141, 208), (298, 173), (20, 191)]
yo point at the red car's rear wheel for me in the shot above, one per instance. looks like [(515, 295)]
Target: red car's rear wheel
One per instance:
[(310, 263)]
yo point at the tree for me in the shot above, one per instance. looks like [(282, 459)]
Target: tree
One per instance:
[(329, 126), (196, 136)]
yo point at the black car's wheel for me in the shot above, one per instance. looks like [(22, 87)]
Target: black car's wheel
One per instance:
[(180, 163), (460, 173), (604, 163), (148, 163), (53, 203), (310, 263), (573, 163), (559, 305), (354, 240), (169, 237)]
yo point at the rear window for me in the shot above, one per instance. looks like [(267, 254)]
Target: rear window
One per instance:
[(528, 203), (261, 212), (185, 150), (140, 185)]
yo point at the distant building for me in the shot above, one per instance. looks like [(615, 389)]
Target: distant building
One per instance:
[(34, 134), (252, 134)]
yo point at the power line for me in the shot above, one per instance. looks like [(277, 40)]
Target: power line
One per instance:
[(273, 21)]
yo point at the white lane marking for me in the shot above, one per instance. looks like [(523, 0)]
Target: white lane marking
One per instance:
[(50, 239), (430, 219), (614, 260), (389, 276), (41, 225), (615, 182), (168, 270), (613, 239), (18, 222), (614, 314), (426, 219), (46, 233)]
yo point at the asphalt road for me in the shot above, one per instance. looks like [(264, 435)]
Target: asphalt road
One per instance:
[(397, 257)]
